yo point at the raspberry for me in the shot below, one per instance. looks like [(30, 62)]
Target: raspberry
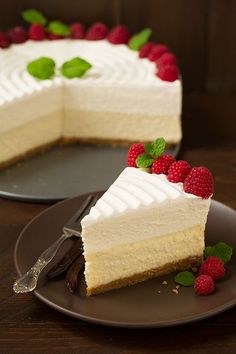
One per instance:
[(199, 182), (4, 40), (157, 51), (204, 285), (168, 73), (18, 35), (77, 31), (213, 267), (97, 31), (37, 32), (118, 35), (162, 164), (133, 153), (54, 37), (178, 171), (146, 49), (166, 59)]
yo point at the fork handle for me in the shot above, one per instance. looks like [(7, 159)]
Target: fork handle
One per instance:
[(28, 281)]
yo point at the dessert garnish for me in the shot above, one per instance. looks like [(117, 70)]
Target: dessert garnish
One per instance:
[(75, 67), (146, 49), (137, 41), (118, 35), (97, 32), (77, 31), (34, 16), (197, 180), (18, 35), (211, 269), (37, 32), (58, 28), (44, 68)]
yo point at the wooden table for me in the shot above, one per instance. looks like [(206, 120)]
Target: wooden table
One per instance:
[(29, 326)]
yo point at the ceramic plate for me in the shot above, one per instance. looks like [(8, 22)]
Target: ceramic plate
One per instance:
[(137, 306), (64, 172)]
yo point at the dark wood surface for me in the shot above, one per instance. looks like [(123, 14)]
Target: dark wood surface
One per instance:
[(202, 33), (29, 326)]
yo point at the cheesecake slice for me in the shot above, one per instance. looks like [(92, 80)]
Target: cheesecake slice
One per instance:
[(142, 227)]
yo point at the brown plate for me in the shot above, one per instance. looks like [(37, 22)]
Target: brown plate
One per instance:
[(137, 306)]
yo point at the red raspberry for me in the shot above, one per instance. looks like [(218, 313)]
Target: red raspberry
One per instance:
[(168, 73), (166, 59), (18, 35), (178, 171), (213, 267), (199, 182), (133, 153), (97, 31), (146, 49), (162, 164), (5, 41), (118, 35), (204, 285), (54, 37), (157, 51), (37, 32), (77, 31)]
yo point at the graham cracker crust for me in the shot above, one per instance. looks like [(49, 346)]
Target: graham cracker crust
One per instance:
[(35, 151), (184, 264)]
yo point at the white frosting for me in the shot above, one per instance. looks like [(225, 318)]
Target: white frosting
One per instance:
[(137, 206), (118, 82)]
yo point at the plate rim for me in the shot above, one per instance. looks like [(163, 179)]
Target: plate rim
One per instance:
[(120, 324)]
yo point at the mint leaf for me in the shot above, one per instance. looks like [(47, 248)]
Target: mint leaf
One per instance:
[(220, 250), (185, 278), (144, 160), (158, 147), (34, 16), (148, 148), (42, 68), (139, 39), (59, 28), (76, 67)]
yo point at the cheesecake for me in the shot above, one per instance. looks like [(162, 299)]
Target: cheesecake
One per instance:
[(120, 100), (145, 226)]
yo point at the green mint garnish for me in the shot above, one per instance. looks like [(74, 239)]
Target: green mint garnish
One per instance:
[(220, 250), (152, 151), (139, 39), (144, 160), (42, 68), (59, 28), (34, 16), (76, 67), (158, 147), (185, 278)]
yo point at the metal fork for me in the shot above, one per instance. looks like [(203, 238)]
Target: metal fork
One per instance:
[(28, 281)]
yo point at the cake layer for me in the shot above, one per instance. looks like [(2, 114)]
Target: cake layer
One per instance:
[(30, 137), (99, 125), (137, 261)]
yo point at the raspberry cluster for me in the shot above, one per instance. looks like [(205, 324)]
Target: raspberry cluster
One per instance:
[(212, 269)]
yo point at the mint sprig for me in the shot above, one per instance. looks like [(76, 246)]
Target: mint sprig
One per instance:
[(59, 28), (34, 16), (220, 250), (152, 151), (75, 67), (42, 68), (138, 40), (185, 278)]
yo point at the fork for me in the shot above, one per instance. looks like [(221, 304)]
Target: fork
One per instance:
[(29, 280)]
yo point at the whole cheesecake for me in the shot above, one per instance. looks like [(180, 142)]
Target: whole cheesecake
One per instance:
[(120, 100)]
